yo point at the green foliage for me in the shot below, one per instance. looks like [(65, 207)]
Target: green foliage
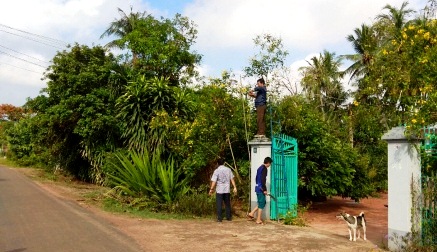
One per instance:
[(368, 129), (217, 127), (159, 47), (24, 138), (122, 27), (411, 242), (328, 166), (4, 126), (400, 80), (296, 216), (75, 113), (19, 138), (269, 63), (271, 56), (94, 104), (5, 161), (321, 81), (364, 42), (137, 207), (146, 175), (143, 101), (196, 203)]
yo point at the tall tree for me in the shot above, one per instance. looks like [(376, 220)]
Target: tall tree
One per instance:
[(121, 28), (396, 19), (76, 109), (164, 48), (365, 44), (160, 47), (269, 62), (322, 81), (271, 56)]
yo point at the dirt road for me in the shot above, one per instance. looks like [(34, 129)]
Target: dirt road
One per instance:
[(31, 219), (325, 234)]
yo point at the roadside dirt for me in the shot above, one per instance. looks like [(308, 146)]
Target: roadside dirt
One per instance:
[(322, 216), (325, 232)]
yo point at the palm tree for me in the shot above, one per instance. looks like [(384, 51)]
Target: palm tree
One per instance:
[(397, 18), (393, 23), (121, 28), (365, 44), (321, 80)]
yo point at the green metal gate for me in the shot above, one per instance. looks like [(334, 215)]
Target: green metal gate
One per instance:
[(429, 187), (283, 176)]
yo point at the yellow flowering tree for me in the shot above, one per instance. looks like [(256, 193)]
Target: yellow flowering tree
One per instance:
[(408, 72), (402, 78)]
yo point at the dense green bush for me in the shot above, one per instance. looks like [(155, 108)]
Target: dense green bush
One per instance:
[(218, 126), (26, 147), (328, 165)]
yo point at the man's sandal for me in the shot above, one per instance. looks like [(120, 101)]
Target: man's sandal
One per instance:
[(250, 217)]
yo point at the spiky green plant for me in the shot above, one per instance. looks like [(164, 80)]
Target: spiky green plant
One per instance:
[(146, 175)]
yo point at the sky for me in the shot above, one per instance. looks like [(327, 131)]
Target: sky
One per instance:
[(33, 31)]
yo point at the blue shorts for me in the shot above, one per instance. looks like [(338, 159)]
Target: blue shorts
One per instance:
[(261, 199)]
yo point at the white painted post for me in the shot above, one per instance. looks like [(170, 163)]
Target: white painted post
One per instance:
[(404, 174), (260, 148)]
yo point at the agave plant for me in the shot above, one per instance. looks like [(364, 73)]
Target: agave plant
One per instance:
[(144, 174)]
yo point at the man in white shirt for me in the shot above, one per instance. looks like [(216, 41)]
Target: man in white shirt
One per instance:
[(221, 179)]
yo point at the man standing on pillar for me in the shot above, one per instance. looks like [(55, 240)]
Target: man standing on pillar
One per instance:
[(260, 95)]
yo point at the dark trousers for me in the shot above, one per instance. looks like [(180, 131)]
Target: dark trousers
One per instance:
[(260, 119), (219, 199)]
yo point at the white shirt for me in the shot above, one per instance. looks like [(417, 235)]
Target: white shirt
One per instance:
[(222, 176)]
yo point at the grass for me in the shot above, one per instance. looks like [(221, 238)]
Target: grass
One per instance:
[(37, 174), (7, 162), (114, 206)]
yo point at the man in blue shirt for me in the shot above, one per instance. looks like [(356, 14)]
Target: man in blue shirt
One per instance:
[(261, 190), (260, 95)]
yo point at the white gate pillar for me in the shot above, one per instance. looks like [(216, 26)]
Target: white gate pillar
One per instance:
[(404, 188), (260, 148)]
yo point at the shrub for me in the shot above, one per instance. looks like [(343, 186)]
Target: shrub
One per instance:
[(196, 203), (296, 216), (146, 175)]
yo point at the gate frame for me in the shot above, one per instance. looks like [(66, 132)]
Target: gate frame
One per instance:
[(428, 202), (284, 172)]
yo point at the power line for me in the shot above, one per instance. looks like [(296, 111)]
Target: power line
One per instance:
[(10, 55), (24, 54), (2, 63), (58, 41), (32, 39)]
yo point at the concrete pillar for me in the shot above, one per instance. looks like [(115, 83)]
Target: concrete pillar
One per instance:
[(260, 148), (404, 172)]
